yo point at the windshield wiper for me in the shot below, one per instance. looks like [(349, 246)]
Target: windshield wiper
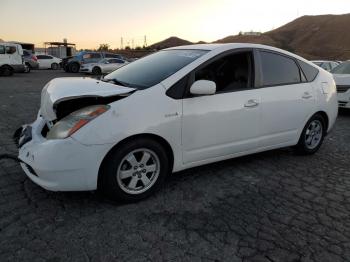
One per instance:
[(115, 81)]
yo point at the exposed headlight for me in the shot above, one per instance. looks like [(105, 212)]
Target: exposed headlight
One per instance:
[(76, 120)]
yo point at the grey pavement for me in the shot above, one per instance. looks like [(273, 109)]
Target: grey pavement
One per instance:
[(272, 206)]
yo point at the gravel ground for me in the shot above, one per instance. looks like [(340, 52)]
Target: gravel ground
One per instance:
[(273, 206)]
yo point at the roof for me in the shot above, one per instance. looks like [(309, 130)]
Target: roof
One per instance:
[(225, 47)]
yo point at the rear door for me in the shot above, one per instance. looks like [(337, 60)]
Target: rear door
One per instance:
[(287, 99), (44, 61)]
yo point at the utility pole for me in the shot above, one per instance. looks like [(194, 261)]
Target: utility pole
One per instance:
[(145, 41), (121, 43)]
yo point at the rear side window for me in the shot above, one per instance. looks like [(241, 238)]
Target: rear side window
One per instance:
[(310, 72), (278, 69), (43, 57), (112, 56), (2, 49), (10, 49)]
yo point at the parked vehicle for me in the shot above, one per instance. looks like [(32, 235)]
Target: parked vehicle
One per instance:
[(103, 66), (30, 60), (72, 64), (49, 62), (341, 76), (326, 65), (178, 108), (11, 59)]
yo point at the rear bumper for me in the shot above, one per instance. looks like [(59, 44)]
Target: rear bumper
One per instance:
[(61, 164)]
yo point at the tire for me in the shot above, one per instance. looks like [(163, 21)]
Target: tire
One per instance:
[(74, 68), (54, 66), (96, 71), (27, 69), (129, 179), (312, 136), (6, 71), (28, 65)]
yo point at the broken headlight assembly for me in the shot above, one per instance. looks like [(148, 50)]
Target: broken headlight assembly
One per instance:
[(74, 121)]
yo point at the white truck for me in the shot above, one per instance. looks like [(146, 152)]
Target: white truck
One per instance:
[(11, 58)]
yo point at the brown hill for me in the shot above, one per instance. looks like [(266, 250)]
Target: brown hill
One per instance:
[(170, 42), (313, 37), (321, 37)]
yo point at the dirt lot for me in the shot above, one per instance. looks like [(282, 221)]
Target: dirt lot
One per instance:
[(273, 206)]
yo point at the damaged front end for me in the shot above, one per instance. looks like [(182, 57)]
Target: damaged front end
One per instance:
[(69, 103), (48, 153)]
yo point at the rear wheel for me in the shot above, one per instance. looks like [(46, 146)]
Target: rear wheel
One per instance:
[(312, 136), (26, 68), (134, 171), (96, 70), (54, 66), (74, 68), (6, 70)]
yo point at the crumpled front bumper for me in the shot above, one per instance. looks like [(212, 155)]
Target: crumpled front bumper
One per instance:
[(61, 164)]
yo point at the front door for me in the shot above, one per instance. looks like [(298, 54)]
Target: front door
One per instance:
[(227, 122)]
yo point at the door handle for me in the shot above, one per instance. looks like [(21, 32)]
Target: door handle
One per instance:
[(251, 103), (306, 95)]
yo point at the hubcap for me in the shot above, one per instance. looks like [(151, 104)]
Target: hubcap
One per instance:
[(313, 134), (138, 171)]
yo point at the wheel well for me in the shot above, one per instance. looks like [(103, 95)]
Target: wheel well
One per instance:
[(154, 137), (325, 117)]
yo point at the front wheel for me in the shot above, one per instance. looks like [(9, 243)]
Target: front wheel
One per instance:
[(74, 68), (134, 171), (312, 136), (96, 70)]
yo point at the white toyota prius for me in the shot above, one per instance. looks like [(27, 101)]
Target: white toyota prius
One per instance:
[(175, 109)]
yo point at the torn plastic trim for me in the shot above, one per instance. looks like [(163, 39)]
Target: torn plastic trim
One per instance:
[(65, 106)]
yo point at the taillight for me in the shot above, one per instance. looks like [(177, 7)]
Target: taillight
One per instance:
[(34, 58)]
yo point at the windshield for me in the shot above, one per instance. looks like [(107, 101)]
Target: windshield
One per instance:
[(153, 69), (343, 68)]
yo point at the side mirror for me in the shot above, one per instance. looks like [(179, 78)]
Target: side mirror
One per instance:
[(203, 87), (106, 62)]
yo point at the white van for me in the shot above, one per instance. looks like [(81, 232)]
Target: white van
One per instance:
[(11, 58)]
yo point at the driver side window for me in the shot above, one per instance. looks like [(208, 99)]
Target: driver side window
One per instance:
[(230, 73)]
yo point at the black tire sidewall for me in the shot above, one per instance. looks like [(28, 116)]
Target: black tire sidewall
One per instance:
[(301, 147), (96, 70), (108, 180), (54, 66), (74, 68)]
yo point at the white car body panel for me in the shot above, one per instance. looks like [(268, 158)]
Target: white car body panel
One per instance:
[(199, 130), (105, 68), (46, 63), (73, 87), (343, 97)]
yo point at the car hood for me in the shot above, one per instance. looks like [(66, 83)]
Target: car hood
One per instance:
[(342, 79), (62, 89)]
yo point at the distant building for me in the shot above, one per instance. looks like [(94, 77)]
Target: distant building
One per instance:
[(252, 33), (58, 49)]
